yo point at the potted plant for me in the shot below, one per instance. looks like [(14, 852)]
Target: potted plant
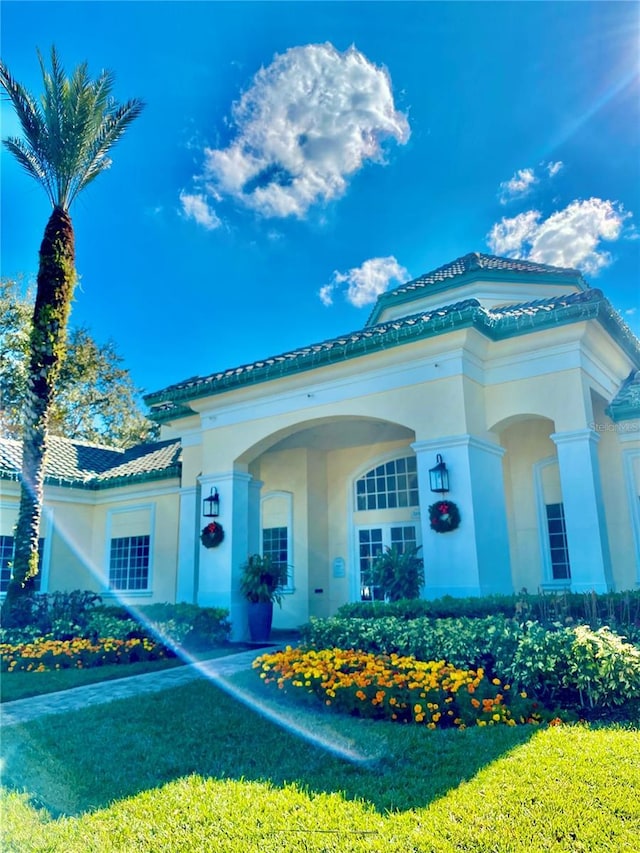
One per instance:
[(261, 584), (399, 573)]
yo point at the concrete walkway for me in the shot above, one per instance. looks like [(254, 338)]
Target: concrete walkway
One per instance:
[(25, 710)]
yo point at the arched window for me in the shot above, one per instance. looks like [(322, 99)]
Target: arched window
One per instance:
[(389, 485)]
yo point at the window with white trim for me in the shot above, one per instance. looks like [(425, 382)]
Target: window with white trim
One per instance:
[(277, 526), (558, 548), (389, 485), (129, 563), (6, 563)]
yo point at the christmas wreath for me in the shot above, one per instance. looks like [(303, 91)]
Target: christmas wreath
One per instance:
[(444, 516), (212, 535)]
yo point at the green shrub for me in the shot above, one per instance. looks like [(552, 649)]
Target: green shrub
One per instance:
[(489, 643), (604, 669), (577, 666), (101, 625), (62, 614), (620, 610), (188, 624)]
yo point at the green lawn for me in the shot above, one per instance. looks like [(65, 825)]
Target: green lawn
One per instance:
[(23, 685), (192, 770)]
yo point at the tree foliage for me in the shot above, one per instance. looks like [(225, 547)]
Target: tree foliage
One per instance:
[(95, 398)]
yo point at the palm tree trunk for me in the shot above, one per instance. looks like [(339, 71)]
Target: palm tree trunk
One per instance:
[(56, 281)]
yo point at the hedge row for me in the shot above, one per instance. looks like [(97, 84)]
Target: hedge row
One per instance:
[(619, 609), (81, 614), (574, 666)]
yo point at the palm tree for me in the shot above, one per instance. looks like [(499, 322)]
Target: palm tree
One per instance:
[(67, 135)]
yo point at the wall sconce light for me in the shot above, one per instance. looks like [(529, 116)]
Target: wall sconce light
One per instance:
[(439, 476), (211, 505)]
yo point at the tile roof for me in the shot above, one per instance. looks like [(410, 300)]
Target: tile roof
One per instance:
[(496, 324), (476, 261), (93, 466), (475, 265), (626, 404)]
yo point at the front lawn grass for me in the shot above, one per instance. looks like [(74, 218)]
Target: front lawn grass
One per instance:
[(23, 685), (191, 770)]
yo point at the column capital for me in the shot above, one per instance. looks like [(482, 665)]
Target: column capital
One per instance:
[(466, 440), (224, 477), (575, 435)]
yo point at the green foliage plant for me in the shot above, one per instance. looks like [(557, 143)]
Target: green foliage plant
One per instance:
[(594, 669), (399, 574), (603, 667), (263, 579), (94, 398), (489, 643)]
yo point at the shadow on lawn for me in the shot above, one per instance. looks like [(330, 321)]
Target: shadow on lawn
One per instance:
[(82, 761)]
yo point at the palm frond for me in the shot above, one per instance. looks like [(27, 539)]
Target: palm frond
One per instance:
[(69, 132)]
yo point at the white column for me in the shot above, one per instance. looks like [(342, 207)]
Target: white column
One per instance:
[(188, 554), (584, 510), (221, 567), (474, 559)]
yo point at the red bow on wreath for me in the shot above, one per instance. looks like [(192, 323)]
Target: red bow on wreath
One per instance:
[(444, 516)]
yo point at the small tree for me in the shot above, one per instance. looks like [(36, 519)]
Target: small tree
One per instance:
[(95, 398), (399, 573)]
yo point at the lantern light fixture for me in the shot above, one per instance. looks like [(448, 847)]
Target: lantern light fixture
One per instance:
[(439, 476), (211, 505)]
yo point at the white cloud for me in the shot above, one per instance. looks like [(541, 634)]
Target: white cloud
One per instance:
[(518, 186), (568, 238), (195, 206), (524, 180), (326, 294), (308, 121), (365, 283)]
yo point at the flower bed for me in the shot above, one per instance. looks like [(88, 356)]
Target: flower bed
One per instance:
[(401, 689), (46, 654)]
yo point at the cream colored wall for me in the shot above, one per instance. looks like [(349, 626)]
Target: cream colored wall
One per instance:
[(137, 512), (526, 443), (71, 544), (76, 524), (287, 471), (615, 498), (559, 397), (318, 534)]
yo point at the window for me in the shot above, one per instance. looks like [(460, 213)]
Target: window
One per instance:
[(277, 527), (560, 568), (6, 560), (275, 544), (371, 543), (129, 563), (390, 485)]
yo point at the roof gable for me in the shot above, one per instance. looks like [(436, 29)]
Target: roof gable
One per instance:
[(475, 266)]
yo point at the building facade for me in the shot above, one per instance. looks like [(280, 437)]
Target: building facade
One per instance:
[(522, 379)]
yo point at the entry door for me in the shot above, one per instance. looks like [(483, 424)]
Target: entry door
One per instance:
[(371, 543)]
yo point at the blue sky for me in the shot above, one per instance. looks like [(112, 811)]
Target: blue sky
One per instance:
[(295, 159)]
